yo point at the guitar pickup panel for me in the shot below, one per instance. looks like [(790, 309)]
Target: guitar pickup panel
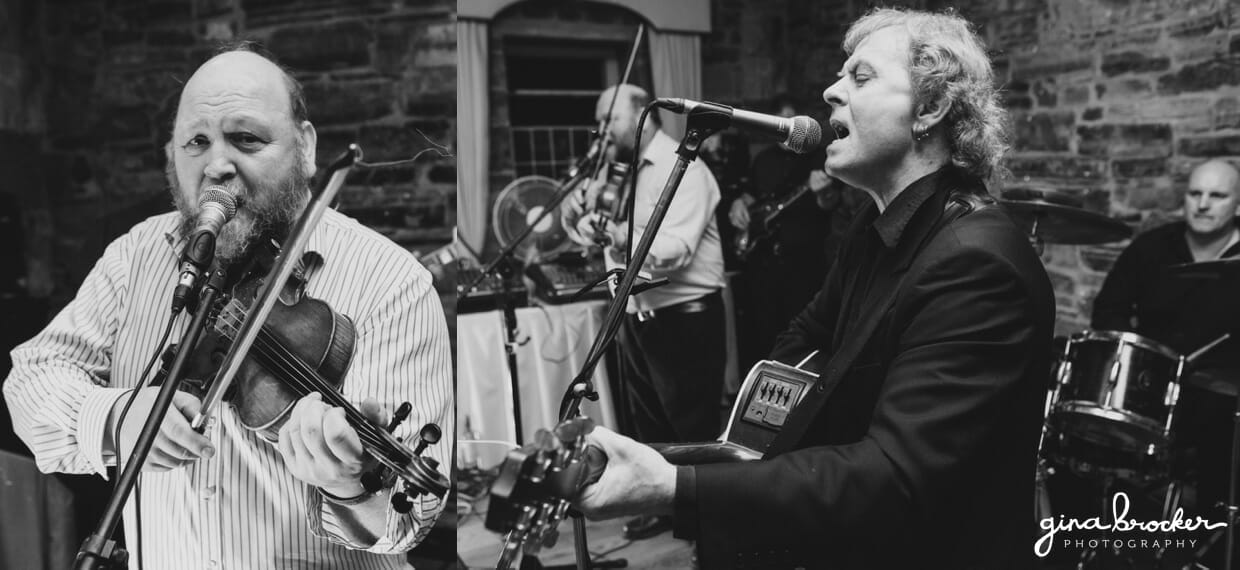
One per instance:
[(768, 395)]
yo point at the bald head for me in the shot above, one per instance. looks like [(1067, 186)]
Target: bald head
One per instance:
[(630, 100), (1213, 198), (244, 74)]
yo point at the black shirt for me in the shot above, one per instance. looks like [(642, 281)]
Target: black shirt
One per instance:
[(1185, 313)]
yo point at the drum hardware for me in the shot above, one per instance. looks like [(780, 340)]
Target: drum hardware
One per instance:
[(1205, 269), (1046, 221), (1130, 369)]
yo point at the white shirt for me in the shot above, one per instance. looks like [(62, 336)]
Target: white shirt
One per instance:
[(686, 248), (241, 508)]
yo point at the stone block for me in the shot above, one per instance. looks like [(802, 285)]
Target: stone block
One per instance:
[(1075, 95), (1141, 140), (1226, 113), (439, 80), (321, 47), (1139, 167), (1210, 146), (1044, 131), (1091, 114), (1044, 93), (431, 106), (1046, 64), (342, 102), (394, 43), (1171, 109), (1133, 62), (1204, 76), (1152, 194), (1057, 167), (1124, 89), (1197, 26)]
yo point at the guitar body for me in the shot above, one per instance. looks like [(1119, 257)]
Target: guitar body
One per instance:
[(769, 393), (762, 222), (530, 495)]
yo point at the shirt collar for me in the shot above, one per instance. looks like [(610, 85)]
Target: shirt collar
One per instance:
[(891, 224)]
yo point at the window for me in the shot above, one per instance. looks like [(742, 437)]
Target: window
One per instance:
[(552, 89)]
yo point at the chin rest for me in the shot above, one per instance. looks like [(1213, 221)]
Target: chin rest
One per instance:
[(704, 453)]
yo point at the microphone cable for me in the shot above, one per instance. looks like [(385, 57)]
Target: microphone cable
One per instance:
[(143, 382)]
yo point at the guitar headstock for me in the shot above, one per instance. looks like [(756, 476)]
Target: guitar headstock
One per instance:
[(531, 495)]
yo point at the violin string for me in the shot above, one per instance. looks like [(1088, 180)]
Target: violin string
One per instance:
[(312, 382), (306, 378), (303, 375)]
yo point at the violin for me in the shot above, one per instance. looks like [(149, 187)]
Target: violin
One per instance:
[(611, 202), (303, 346)]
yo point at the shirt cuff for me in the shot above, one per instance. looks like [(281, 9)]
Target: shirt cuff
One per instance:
[(92, 425), (684, 505)]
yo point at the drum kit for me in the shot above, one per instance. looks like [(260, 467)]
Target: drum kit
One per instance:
[(1110, 410)]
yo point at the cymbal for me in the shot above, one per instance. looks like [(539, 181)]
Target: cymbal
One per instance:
[(1055, 223), (1213, 268), (1222, 382)]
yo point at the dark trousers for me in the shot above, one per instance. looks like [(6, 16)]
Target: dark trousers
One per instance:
[(772, 290), (672, 367)]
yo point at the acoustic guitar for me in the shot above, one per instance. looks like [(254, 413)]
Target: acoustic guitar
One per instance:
[(536, 483)]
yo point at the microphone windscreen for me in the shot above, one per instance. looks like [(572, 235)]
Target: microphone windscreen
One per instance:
[(219, 195), (805, 136)]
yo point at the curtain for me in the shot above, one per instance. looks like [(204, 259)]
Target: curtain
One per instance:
[(676, 61), (473, 127)]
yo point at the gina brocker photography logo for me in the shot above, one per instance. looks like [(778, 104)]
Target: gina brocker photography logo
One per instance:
[(1120, 532)]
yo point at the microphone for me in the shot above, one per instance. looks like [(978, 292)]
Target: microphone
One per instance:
[(216, 206), (801, 134)]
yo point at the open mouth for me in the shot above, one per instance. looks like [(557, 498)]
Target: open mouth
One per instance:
[(841, 131)]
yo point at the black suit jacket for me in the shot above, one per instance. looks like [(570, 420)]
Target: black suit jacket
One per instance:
[(919, 451)]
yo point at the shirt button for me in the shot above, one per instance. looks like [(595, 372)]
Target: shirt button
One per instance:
[(213, 564), (208, 493)]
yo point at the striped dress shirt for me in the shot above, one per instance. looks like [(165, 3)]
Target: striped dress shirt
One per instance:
[(241, 508)]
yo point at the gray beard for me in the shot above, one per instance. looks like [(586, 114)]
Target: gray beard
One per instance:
[(263, 212)]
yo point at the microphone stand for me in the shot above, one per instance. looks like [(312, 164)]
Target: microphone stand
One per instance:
[(100, 551), (504, 267), (701, 124)]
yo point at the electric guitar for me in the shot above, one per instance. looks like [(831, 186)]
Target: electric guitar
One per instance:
[(536, 483), (762, 218)]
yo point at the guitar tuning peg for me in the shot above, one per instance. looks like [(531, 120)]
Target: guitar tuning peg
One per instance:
[(429, 435), (401, 413), (571, 431), (544, 441)]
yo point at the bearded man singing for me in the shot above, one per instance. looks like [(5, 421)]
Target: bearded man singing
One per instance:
[(227, 497)]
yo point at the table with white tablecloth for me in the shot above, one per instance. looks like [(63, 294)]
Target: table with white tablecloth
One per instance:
[(559, 338)]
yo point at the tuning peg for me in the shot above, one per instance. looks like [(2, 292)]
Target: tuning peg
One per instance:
[(429, 435), (401, 503), (401, 413), (570, 431)]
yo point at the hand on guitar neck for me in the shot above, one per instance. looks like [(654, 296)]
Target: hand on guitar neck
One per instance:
[(757, 220)]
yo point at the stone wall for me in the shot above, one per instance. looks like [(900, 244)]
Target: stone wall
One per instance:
[(99, 82), (1115, 102)]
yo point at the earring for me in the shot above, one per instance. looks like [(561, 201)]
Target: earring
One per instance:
[(920, 134)]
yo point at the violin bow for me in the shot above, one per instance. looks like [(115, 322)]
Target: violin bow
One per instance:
[(611, 106), (320, 199)]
